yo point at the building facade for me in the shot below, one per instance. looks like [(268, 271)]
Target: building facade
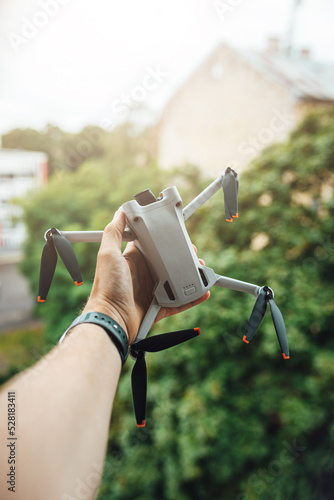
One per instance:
[(21, 172), (237, 103)]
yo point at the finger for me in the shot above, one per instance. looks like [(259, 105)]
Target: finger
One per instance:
[(131, 249), (170, 311), (194, 303), (136, 262), (201, 261), (195, 248), (113, 232)]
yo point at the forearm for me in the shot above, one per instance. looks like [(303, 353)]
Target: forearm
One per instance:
[(63, 416)]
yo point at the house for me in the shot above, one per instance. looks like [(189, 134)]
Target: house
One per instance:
[(20, 173), (238, 102)]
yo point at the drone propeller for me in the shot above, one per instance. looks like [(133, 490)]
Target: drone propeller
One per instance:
[(230, 187), (260, 307), (139, 372), (56, 241)]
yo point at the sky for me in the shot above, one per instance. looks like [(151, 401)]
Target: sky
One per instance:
[(78, 62)]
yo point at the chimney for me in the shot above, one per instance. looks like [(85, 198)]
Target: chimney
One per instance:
[(305, 54), (273, 45)]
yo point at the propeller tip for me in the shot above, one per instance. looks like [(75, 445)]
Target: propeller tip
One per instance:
[(244, 339), (229, 220), (198, 330), (142, 424), (78, 284), (235, 216), (40, 300), (284, 356)]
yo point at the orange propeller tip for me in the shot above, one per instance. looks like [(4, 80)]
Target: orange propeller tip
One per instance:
[(244, 339), (284, 356), (40, 300), (198, 330), (78, 284), (142, 424), (235, 216), (229, 220)]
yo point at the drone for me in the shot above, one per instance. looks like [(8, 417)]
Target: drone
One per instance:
[(157, 228)]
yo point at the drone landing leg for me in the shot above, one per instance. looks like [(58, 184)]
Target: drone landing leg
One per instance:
[(148, 320), (239, 286), (202, 197)]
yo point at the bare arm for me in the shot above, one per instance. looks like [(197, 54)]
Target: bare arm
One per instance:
[(64, 402), (63, 407)]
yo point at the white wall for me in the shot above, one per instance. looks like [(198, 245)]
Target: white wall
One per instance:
[(21, 172)]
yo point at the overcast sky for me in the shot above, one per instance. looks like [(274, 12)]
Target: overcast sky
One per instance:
[(71, 62)]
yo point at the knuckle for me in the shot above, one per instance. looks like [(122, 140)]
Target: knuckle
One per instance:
[(108, 228), (103, 254)]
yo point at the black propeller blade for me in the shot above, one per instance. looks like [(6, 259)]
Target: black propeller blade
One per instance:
[(55, 241), (265, 296), (47, 269), (139, 388), (280, 328), (167, 340), (67, 255), (256, 317), (230, 188), (139, 372)]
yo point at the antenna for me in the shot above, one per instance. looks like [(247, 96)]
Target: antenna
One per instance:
[(292, 26)]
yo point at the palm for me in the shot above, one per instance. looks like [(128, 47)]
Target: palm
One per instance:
[(142, 285)]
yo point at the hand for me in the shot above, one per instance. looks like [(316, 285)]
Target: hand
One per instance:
[(123, 286)]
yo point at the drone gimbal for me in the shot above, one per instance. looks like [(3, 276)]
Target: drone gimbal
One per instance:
[(157, 228)]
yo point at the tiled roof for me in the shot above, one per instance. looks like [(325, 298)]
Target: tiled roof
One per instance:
[(307, 79)]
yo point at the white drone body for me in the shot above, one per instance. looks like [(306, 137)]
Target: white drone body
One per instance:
[(157, 228), (162, 238)]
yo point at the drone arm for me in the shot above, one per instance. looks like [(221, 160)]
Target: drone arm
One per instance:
[(94, 236), (239, 286), (148, 320), (202, 197)]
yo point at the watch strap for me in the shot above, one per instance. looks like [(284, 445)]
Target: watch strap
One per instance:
[(115, 332)]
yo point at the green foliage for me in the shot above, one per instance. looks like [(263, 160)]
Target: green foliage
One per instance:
[(19, 349), (224, 419), (67, 151)]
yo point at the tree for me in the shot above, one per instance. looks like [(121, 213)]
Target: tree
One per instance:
[(67, 151)]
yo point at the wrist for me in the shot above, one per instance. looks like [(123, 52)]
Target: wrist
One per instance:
[(88, 333), (114, 331)]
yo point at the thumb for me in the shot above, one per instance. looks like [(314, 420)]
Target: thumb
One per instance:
[(113, 232)]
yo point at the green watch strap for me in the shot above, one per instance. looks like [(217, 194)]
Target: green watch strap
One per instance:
[(115, 332)]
